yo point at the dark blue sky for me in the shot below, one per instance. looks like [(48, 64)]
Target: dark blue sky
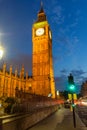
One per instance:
[(68, 22)]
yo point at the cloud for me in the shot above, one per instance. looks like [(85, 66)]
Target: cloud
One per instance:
[(79, 75), (65, 43), (55, 11), (62, 80), (65, 34), (65, 46), (64, 71), (57, 16), (77, 72)]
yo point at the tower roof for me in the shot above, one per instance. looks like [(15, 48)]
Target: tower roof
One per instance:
[(41, 14)]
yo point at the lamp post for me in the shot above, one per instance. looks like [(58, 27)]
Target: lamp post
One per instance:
[(72, 88), (1, 55)]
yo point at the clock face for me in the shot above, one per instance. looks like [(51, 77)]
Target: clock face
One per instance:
[(40, 31)]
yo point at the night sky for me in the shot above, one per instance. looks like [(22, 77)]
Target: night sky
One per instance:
[(68, 22)]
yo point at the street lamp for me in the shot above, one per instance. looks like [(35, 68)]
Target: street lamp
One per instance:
[(57, 94), (1, 52)]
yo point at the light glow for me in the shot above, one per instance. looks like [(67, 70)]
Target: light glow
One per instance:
[(57, 92), (72, 87), (1, 52)]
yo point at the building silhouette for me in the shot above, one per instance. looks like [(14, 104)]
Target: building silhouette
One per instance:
[(42, 80), (84, 89)]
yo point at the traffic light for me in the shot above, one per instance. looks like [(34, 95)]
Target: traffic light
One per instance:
[(71, 85), (71, 88), (70, 79)]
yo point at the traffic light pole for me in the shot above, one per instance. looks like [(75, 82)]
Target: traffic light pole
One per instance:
[(72, 90), (74, 118)]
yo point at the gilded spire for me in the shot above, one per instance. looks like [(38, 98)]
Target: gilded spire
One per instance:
[(41, 3), (41, 14), (41, 9)]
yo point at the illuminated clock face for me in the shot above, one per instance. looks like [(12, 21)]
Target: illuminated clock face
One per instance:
[(39, 31)]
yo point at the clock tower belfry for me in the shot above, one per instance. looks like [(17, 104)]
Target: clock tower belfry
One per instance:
[(42, 66)]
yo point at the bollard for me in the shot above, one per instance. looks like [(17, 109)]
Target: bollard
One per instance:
[(0, 124), (71, 109)]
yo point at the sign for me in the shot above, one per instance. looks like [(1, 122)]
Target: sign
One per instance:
[(74, 96)]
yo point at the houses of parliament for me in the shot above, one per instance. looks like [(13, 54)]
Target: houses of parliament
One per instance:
[(42, 80)]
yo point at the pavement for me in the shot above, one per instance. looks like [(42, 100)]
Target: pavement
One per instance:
[(60, 120), (67, 122)]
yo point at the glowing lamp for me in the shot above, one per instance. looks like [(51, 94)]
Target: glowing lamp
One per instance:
[(1, 52)]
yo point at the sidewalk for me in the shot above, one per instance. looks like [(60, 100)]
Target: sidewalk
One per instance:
[(60, 120), (67, 123)]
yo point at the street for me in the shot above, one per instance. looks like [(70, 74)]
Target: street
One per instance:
[(82, 112)]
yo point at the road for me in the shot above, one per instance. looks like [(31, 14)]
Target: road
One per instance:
[(51, 123), (82, 112)]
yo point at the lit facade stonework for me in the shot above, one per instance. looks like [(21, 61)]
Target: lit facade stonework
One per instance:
[(9, 82), (42, 80), (42, 66)]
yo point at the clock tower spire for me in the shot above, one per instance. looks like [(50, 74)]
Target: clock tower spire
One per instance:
[(41, 10), (41, 14)]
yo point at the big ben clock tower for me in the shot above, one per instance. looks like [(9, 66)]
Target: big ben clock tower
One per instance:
[(42, 67)]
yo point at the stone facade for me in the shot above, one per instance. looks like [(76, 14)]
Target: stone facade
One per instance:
[(9, 81), (42, 65)]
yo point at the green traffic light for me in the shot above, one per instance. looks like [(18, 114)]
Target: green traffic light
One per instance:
[(72, 87)]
